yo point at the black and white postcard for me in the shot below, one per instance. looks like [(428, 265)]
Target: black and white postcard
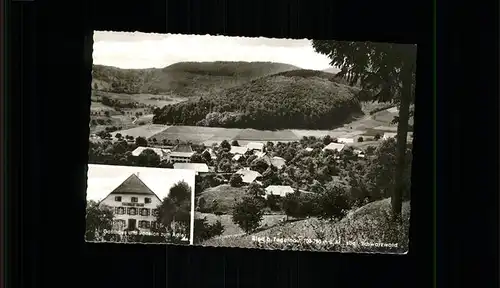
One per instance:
[(295, 144)]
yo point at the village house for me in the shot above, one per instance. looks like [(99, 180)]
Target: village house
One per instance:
[(334, 147), (134, 205), (181, 154), (278, 190), (163, 153), (252, 146), (248, 176), (237, 150), (275, 161), (197, 167)]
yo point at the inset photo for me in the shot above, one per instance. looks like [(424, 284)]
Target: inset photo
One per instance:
[(139, 205)]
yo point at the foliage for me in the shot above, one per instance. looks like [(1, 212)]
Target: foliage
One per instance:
[(204, 230), (174, 213), (334, 202), (98, 220), (248, 214), (236, 180), (272, 102)]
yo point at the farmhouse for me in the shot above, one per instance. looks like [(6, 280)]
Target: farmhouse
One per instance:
[(388, 135), (198, 167), (238, 150), (248, 176), (255, 146), (345, 140), (163, 153), (275, 161), (182, 154), (278, 190), (334, 147), (134, 205)]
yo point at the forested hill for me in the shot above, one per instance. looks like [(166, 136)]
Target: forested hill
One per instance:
[(294, 99), (184, 79)]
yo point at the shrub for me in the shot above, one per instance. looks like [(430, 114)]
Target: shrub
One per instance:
[(236, 180), (377, 137), (360, 139)]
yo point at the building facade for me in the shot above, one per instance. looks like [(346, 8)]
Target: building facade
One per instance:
[(134, 206)]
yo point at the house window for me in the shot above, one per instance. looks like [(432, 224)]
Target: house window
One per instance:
[(132, 211), (144, 224), (118, 198), (134, 200), (155, 212), (147, 200), (145, 212), (119, 210)]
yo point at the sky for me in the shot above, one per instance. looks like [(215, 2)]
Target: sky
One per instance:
[(147, 50), (102, 179)]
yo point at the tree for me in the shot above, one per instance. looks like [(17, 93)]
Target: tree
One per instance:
[(118, 136), (260, 165), (204, 230), (235, 143), (334, 202), (291, 205), (248, 214), (141, 141), (361, 139), (206, 156), (236, 180), (225, 145), (148, 158), (174, 213), (255, 190), (106, 113), (387, 70), (197, 158), (97, 221)]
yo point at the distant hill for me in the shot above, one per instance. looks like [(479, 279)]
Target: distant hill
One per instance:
[(185, 79), (292, 99)]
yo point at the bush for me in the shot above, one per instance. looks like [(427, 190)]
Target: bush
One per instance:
[(204, 231), (360, 139), (248, 214), (377, 137), (334, 203), (236, 180)]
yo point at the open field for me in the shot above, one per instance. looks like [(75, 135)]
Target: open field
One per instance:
[(231, 229), (145, 131), (146, 99)]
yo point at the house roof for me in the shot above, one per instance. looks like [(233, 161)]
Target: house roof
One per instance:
[(278, 162), (279, 190), (212, 153), (334, 146), (159, 151), (259, 154), (247, 175), (255, 145), (198, 167), (345, 140), (389, 135), (238, 150), (237, 157), (133, 185), (182, 148), (309, 149)]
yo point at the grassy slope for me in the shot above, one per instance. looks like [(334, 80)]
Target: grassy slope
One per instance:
[(225, 196), (366, 224), (184, 79)]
